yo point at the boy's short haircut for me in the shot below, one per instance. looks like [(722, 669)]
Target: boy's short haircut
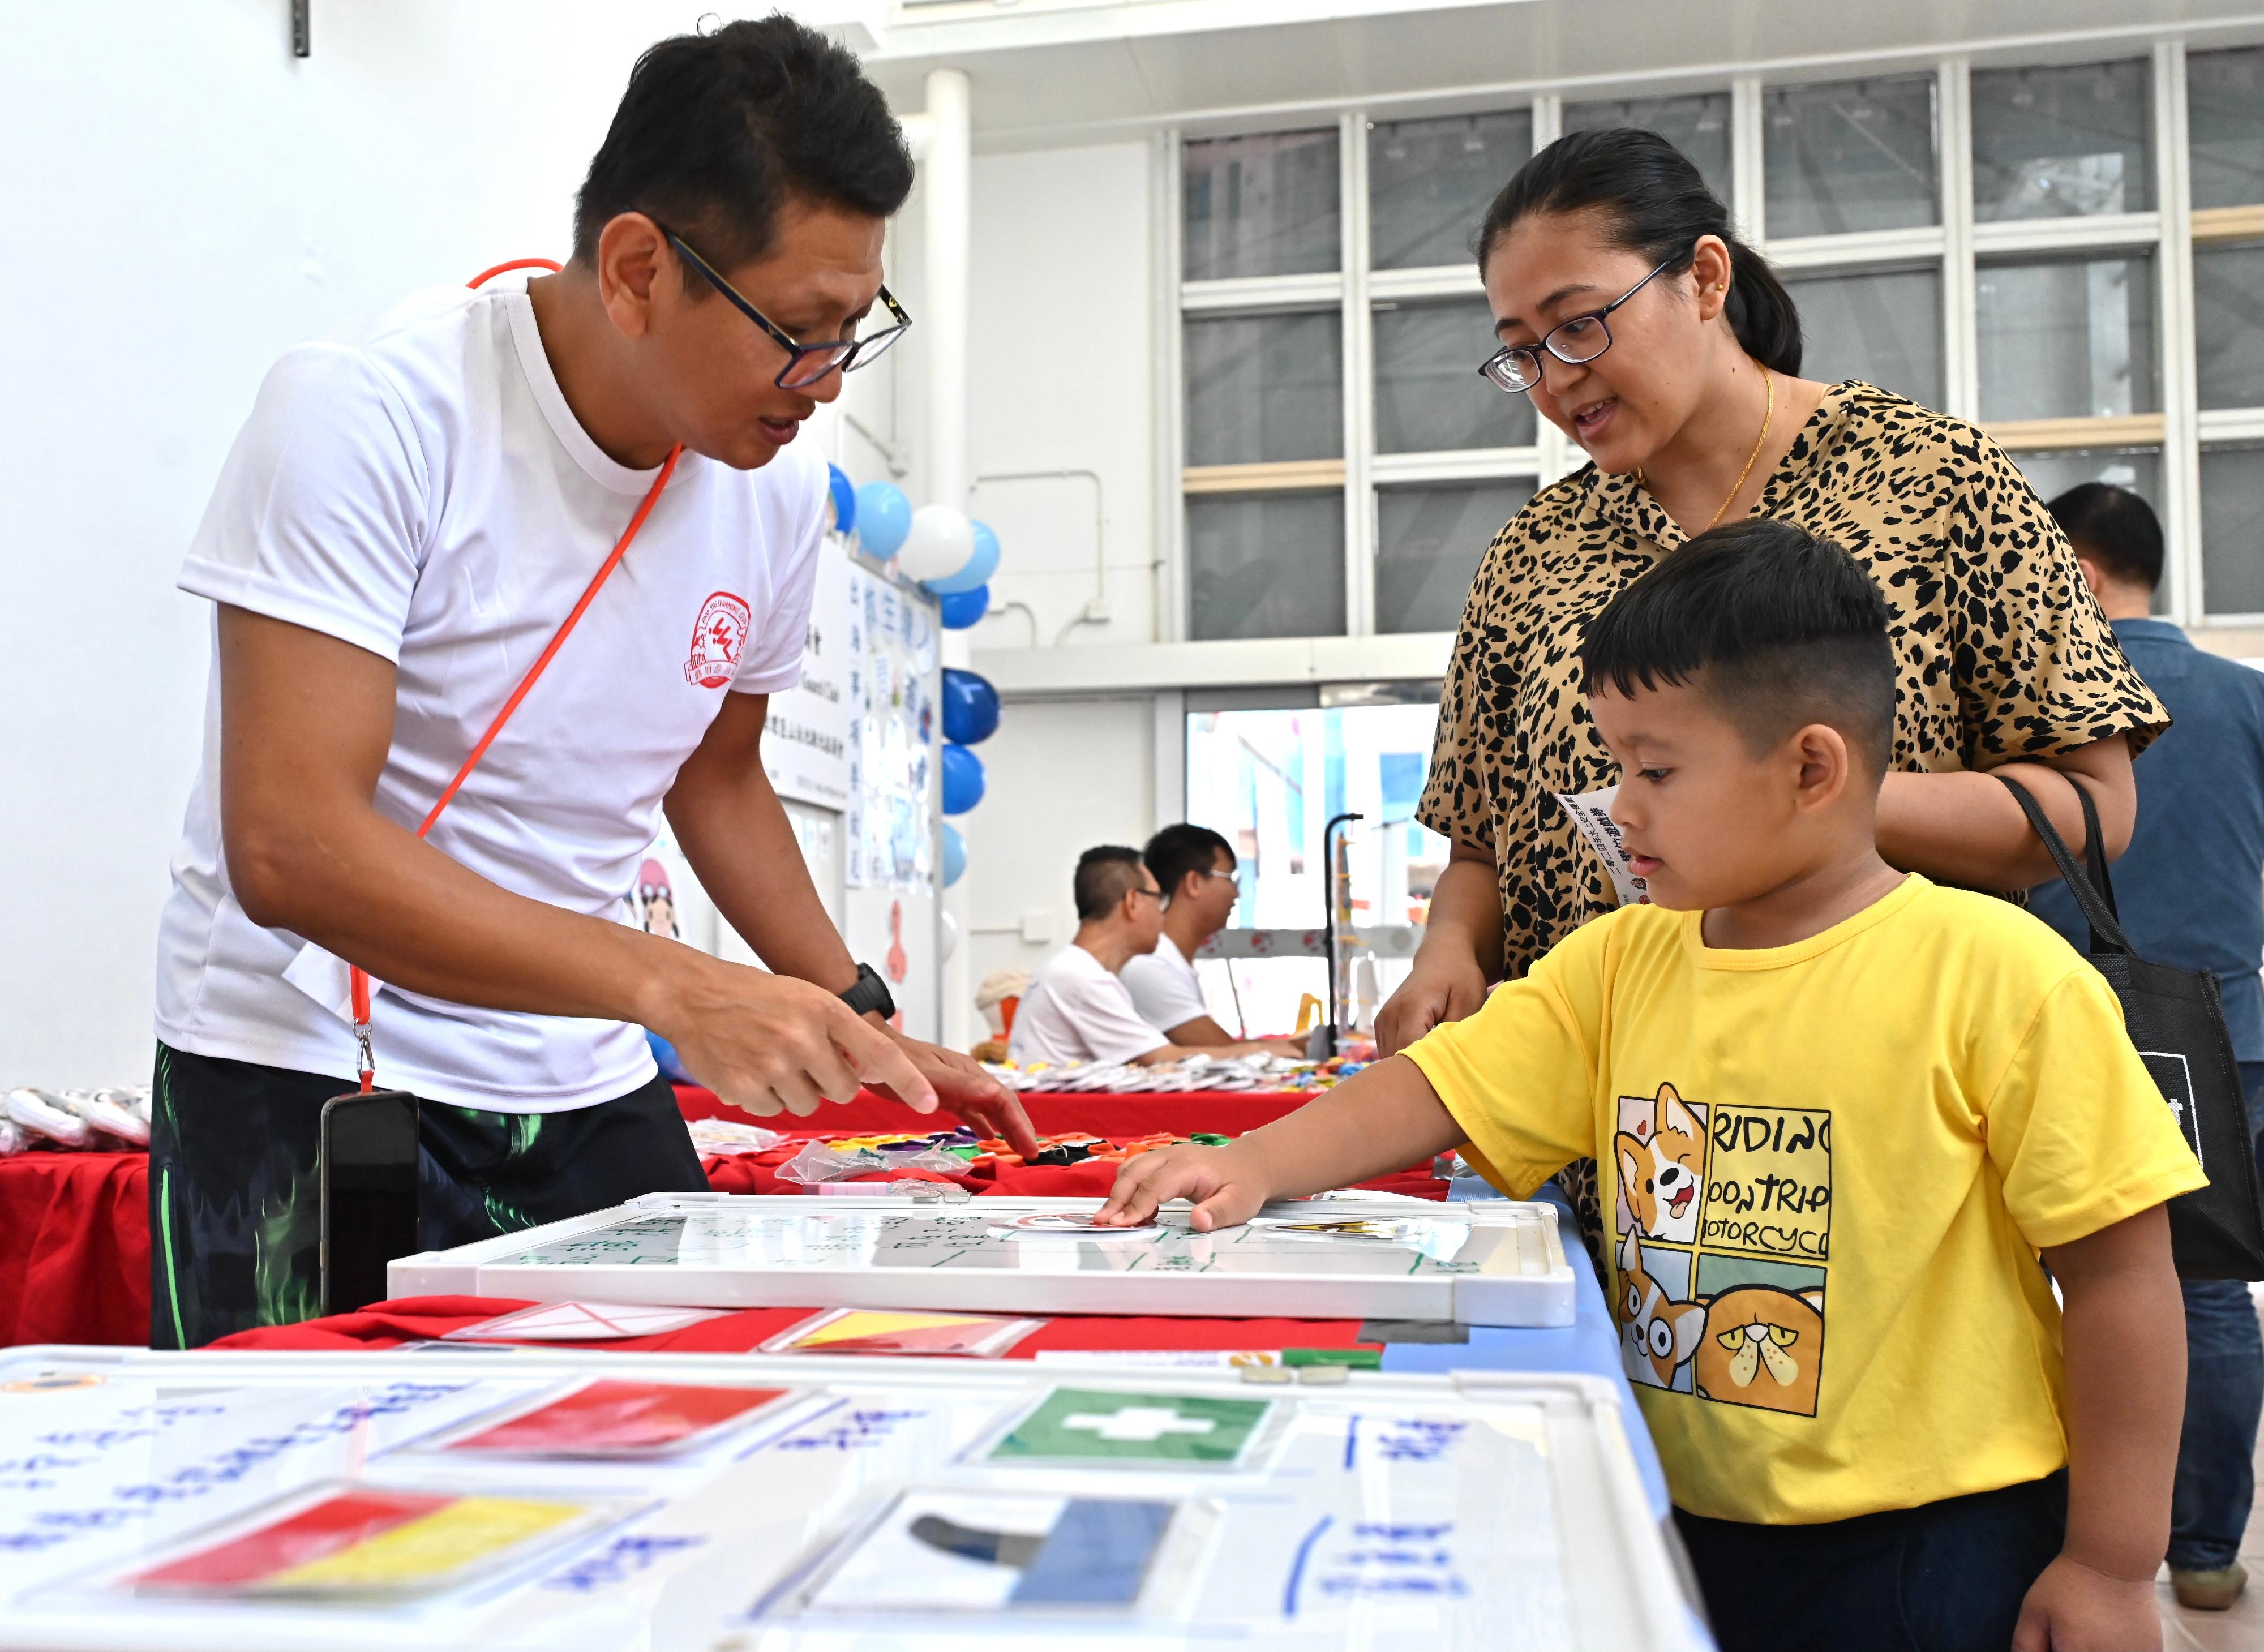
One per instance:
[(1779, 628), (1104, 874), (2114, 526), (1176, 850), (718, 131)]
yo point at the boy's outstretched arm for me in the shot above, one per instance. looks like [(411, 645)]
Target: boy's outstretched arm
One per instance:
[(2123, 1331), (1380, 1120)]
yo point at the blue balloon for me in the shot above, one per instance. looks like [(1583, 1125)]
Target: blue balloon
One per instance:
[(964, 609), (979, 566), (954, 855), (844, 499), (962, 779), (970, 708), (672, 1064), (884, 518)]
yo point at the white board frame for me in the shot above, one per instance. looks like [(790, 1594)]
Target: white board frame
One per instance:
[(1525, 1281)]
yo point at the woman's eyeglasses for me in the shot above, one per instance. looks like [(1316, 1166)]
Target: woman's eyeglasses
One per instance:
[(1576, 339), (805, 364)]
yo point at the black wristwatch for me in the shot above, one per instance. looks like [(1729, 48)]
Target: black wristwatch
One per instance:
[(870, 993)]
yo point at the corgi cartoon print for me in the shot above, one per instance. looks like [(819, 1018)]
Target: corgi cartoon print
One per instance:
[(1659, 1334), (1662, 1165)]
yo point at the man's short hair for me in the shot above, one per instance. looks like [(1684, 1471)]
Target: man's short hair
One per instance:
[(1103, 876), (2114, 527), (1176, 850), (717, 132), (1780, 629)]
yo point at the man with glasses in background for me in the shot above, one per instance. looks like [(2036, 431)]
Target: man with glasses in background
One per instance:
[(407, 521), (1195, 867), (1078, 1009)]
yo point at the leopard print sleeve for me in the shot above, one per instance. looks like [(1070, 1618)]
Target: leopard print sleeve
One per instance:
[(1458, 799), (2038, 670)]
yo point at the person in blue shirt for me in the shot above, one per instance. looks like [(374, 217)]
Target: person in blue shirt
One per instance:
[(2191, 892)]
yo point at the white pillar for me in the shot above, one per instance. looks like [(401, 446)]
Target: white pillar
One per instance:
[(948, 156)]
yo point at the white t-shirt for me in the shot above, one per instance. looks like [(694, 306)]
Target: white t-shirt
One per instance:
[(419, 487), (1076, 1011), (1163, 987)]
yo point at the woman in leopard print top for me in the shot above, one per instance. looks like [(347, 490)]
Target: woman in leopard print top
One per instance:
[(1691, 411)]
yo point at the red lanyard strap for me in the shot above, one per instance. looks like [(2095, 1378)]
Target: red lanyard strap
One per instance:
[(359, 976)]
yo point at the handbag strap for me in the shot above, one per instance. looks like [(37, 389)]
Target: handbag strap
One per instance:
[(2095, 848), (2106, 934), (358, 992)]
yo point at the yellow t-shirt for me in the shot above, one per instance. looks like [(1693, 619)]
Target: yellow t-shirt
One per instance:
[(1829, 1167)]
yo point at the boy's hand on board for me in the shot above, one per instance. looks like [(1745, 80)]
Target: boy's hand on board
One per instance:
[(2076, 1608), (1223, 1183)]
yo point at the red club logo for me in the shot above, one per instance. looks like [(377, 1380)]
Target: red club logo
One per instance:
[(716, 640)]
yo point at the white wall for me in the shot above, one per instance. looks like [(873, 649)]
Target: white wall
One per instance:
[(184, 201)]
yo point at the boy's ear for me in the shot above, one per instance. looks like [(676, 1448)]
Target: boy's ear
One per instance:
[(1827, 767)]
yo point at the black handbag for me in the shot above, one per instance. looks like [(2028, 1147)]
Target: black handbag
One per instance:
[(2176, 1021)]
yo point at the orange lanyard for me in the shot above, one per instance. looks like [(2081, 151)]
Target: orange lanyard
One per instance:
[(360, 977)]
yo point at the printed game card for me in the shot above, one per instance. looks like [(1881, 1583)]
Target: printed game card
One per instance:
[(582, 1321), (1592, 812), (859, 1330), (340, 1539), (1103, 1425), (616, 1418)]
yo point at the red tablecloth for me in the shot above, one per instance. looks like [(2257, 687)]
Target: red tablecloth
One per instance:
[(389, 1324), (75, 1227)]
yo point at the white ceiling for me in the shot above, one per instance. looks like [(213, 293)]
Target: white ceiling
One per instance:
[(1054, 72)]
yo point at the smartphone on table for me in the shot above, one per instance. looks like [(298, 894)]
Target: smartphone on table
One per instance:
[(369, 1158)]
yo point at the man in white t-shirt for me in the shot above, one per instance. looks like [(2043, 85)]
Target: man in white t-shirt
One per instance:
[(1195, 867), (1077, 1009), (407, 517)]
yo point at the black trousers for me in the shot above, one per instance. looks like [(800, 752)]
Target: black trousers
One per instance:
[(1941, 1577), (235, 1183)]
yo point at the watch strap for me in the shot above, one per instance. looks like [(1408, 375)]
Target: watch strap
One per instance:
[(870, 993)]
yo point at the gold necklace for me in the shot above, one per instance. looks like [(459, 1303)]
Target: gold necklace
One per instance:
[(1768, 418)]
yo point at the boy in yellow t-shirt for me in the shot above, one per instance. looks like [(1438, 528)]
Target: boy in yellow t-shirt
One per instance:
[(1837, 1113)]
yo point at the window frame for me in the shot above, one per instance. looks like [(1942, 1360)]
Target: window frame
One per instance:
[(1954, 247)]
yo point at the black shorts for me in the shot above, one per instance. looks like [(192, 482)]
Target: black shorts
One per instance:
[(1944, 1577), (235, 1183)]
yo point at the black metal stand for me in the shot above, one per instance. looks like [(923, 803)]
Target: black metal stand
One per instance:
[(1328, 896)]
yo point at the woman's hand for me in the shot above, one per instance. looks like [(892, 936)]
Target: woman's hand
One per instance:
[(1445, 984)]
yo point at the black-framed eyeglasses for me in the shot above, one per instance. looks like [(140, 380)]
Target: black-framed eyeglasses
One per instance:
[(1576, 339), (805, 364)]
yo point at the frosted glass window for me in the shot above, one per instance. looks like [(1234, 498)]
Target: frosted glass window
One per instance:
[(2066, 340), (1429, 183), (1884, 329), (2224, 107), (1264, 387), (2228, 325), (2061, 142), (1428, 395), (1428, 544), (1855, 154), (2232, 529), (1265, 565), (1699, 126), (1260, 206)]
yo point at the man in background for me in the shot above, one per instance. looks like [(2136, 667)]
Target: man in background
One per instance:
[(1195, 867), (1078, 1009), (2190, 889)]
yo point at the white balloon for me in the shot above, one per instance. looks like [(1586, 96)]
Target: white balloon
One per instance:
[(948, 940), (941, 542)]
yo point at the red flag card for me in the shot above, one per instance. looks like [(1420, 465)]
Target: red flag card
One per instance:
[(614, 1418), (360, 1539), (859, 1330)]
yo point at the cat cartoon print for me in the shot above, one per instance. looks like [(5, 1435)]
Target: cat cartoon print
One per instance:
[(1662, 1165)]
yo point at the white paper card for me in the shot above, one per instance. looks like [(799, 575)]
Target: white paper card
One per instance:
[(1592, 812), (326, 978), (583, 1321)]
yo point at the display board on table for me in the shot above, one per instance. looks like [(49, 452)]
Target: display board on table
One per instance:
[(568, 1501), (1495, 1263)]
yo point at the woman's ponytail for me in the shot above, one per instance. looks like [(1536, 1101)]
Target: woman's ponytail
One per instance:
[(1655, 204)]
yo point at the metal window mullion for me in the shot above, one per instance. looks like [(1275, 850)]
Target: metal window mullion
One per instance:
[(1170, 422), (1474, 464), (2173, 296), (1960, 350), (1557, 455), (1749, 190), (1860, 250), (1445, 280), (2082, 233), (1358, 383), (1258, 294), (2218, 427)]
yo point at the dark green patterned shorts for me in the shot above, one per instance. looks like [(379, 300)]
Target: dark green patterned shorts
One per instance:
[(234, 1181)]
